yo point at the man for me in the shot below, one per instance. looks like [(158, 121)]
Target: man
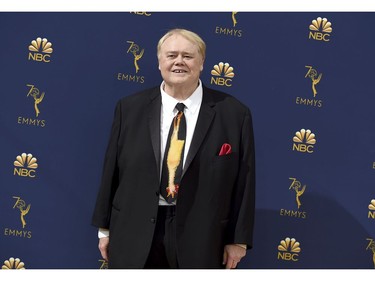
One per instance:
[(150, 213)]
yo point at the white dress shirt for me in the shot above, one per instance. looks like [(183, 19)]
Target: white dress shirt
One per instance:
[(169, 111)]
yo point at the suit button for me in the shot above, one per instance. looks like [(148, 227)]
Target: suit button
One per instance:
[(153, 220)]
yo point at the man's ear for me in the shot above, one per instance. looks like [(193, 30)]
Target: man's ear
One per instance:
[(202, 65)]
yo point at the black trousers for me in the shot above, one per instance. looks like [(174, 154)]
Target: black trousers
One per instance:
[(163, 249)]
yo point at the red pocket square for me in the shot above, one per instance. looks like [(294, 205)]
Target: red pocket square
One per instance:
[(225, 149)]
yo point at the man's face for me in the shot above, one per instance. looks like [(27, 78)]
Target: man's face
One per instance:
[(180, 63)]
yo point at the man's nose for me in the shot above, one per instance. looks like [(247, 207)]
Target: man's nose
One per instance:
[(179, 59)]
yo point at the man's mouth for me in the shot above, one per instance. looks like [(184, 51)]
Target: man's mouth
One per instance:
[(179, 71)]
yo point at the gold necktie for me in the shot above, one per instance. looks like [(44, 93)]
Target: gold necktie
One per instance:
[(174, 156)]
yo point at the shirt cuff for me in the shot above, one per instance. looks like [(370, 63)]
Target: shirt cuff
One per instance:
[(242, 246), (103, 232)]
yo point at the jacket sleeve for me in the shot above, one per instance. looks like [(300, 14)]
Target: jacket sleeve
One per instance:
[(243, 211), (110, 176)]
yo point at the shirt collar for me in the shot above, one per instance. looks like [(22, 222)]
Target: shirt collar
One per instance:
[(192, 103)]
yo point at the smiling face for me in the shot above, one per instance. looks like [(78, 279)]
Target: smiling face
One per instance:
[(180, 62)]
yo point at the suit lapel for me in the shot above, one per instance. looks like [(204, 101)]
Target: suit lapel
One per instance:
[(205, 118), (154, 124)]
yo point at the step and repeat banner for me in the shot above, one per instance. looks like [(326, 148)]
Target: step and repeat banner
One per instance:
[(307, 77)]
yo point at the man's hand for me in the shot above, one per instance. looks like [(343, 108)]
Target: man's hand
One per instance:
[(233, 255), (103, 247)]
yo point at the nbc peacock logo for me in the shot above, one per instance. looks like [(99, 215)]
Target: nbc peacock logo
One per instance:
[(40, 50), (222, 74), (304, 141), (25, 165), (289, 249), (13, 263), (371, 207), (320, 29)]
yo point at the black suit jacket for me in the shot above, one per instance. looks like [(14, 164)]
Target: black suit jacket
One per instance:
[(217, 193)]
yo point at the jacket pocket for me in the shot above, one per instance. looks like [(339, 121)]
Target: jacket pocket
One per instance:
[(224, 158)]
